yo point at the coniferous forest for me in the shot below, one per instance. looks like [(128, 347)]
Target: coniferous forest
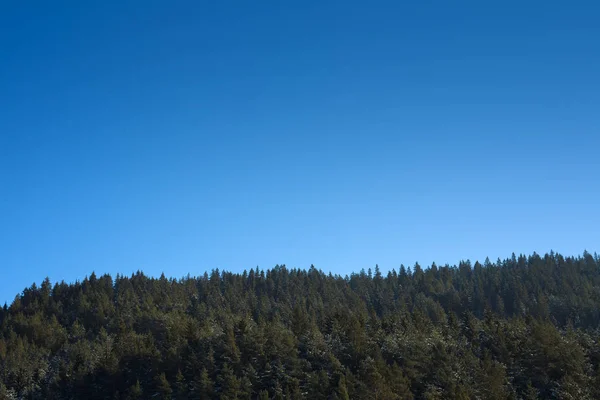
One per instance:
[(526, 327)]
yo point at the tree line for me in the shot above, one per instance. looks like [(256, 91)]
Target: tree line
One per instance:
[(526, 327)]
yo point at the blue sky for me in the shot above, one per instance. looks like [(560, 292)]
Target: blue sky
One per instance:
[(186, 136)]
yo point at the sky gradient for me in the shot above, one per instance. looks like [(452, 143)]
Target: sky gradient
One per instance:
[(178, 137)]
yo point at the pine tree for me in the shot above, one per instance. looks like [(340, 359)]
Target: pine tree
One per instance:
[(399, 383), (135, 391), (202, 385), (531, 393), (341, 392), (450, 332), (263, 395), (181, 391), (163, 388), (228, 384)]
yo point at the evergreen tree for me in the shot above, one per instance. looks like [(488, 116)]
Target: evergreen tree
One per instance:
[(163, 388), (341, 392), (263, 395), (181, 391), (135, 391), (520, 328), (228, 384)]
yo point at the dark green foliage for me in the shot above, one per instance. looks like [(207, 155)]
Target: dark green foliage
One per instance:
[(522, 328), (263, 395), (181, 390), (163, 388), (135, 392), (341, 392)]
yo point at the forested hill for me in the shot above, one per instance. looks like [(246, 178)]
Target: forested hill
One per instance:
[(522, 328)]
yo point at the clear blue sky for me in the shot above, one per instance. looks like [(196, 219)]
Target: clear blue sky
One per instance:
[(184, 136)]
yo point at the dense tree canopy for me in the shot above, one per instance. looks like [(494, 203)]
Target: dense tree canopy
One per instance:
[(522, 328)]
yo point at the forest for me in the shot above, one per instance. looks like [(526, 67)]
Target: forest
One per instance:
[(526, 327)]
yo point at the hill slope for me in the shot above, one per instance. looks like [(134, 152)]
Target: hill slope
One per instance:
[(522, 328)]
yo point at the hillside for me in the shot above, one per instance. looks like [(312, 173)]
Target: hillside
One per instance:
[(522, 328)]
